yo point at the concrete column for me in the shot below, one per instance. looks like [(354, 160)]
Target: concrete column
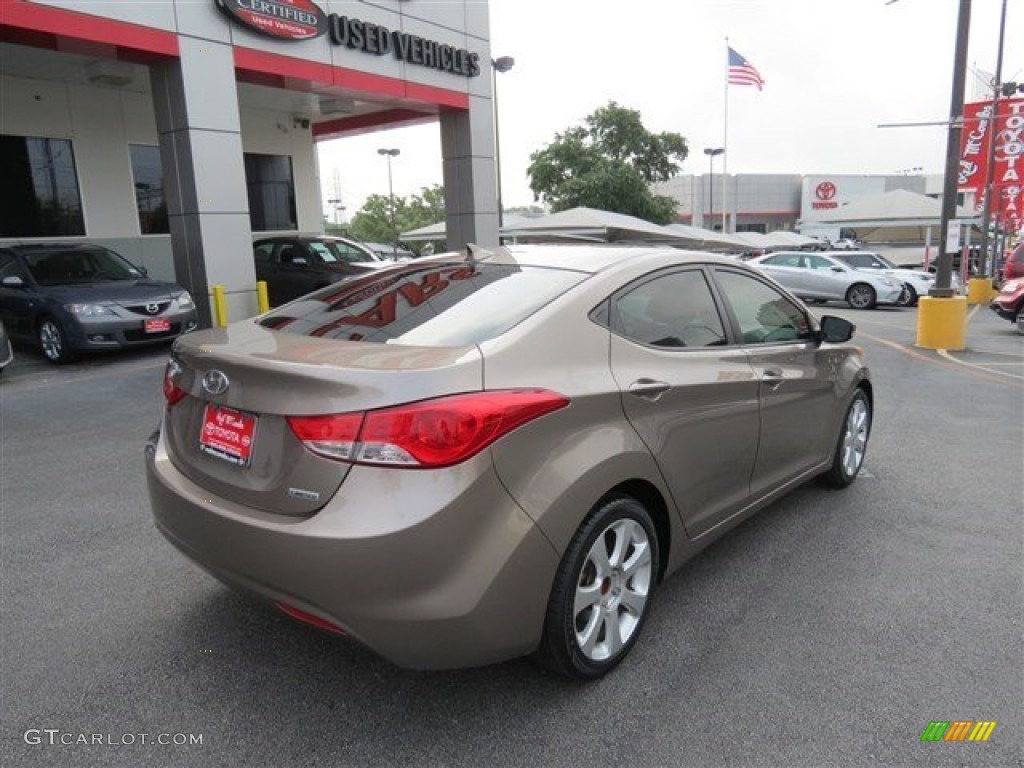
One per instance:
[(196, 103), (470, 186)]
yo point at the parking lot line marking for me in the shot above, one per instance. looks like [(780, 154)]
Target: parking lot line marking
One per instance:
[(947, 356), (996, 377)]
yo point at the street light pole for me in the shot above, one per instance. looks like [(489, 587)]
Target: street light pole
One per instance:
[(712, 152), (500, 64), (389, 153)]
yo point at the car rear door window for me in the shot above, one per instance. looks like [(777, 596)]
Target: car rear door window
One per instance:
[(673, 310)]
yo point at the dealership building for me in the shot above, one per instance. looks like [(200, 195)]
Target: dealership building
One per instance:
[(174, 131), (774, 201)]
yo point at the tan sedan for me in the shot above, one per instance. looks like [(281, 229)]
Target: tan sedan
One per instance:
[(478, 456)]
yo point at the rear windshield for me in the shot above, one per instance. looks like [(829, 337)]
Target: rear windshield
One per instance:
[(432, 305)]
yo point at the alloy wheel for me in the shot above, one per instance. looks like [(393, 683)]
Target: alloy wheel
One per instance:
[(855, 438), (51, 340), (612, 590), (861, 297)]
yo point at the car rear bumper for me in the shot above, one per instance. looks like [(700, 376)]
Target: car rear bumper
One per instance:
[(1006, 310), (429, 569)]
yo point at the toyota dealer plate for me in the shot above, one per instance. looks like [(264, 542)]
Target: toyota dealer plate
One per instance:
[(227, 434), (157, 325)]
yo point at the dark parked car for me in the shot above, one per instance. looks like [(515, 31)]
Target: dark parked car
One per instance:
[(72, 298), (293, 266), (6, 355), (477, 456)]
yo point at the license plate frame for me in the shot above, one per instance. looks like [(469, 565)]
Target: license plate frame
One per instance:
[(228, 434)]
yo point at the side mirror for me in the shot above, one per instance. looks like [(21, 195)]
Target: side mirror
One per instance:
[(836, 330), (13, 281)]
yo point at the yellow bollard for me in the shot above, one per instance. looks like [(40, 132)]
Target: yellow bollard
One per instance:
[(979, 290), (220, 305), (942, 323), (262, 300)]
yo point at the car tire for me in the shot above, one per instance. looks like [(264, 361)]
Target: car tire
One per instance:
[(908, 296), (53, 342), (861, 296), (602, 591), (848, 457)]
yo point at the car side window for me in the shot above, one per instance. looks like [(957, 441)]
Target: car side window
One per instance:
[(674, 310), (816, 262), (11, 267), (784, 260), (263, 252), (764, 315)]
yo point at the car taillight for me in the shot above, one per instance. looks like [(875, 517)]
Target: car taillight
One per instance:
[(332, 436), (172, 392), (429, 434)]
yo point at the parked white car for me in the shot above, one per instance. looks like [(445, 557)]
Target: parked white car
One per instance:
[(916, 282), (819, 277)]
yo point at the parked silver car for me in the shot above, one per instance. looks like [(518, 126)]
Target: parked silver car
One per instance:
[(916, 282), (472, 457), (820, 277)]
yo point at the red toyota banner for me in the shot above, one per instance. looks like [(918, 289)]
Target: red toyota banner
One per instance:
[(1007, 129)]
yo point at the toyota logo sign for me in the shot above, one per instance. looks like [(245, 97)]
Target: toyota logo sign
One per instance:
[(825, 191)]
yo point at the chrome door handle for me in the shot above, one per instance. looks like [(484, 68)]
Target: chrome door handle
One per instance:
[(772, 378), (649, 389)]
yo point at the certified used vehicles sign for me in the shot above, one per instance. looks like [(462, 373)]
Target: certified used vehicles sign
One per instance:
[(285, 19)]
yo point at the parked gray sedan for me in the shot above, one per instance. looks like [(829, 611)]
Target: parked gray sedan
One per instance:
[(72, 298), (825, 278), (477, 456)]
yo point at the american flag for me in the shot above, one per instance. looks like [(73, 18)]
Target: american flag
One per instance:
[(742, 72)]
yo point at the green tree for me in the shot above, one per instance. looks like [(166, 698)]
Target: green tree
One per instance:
[(608, 163), (373, 221)]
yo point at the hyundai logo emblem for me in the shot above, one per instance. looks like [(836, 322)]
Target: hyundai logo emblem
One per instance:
[(215, 382), (152, 308)]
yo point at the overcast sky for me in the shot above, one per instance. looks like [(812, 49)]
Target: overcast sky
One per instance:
[(834, 70)]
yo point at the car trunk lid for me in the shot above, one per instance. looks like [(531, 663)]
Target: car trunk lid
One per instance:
[(229, 432)]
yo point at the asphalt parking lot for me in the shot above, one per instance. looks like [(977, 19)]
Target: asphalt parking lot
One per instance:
[(829, 630)]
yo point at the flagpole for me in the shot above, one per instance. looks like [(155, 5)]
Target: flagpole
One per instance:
[(725, 144)]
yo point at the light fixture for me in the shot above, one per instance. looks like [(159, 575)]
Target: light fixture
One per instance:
[(500, 64)]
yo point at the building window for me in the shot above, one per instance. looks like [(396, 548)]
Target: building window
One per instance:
[(271, 188), (39, 196), (148, 173)]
